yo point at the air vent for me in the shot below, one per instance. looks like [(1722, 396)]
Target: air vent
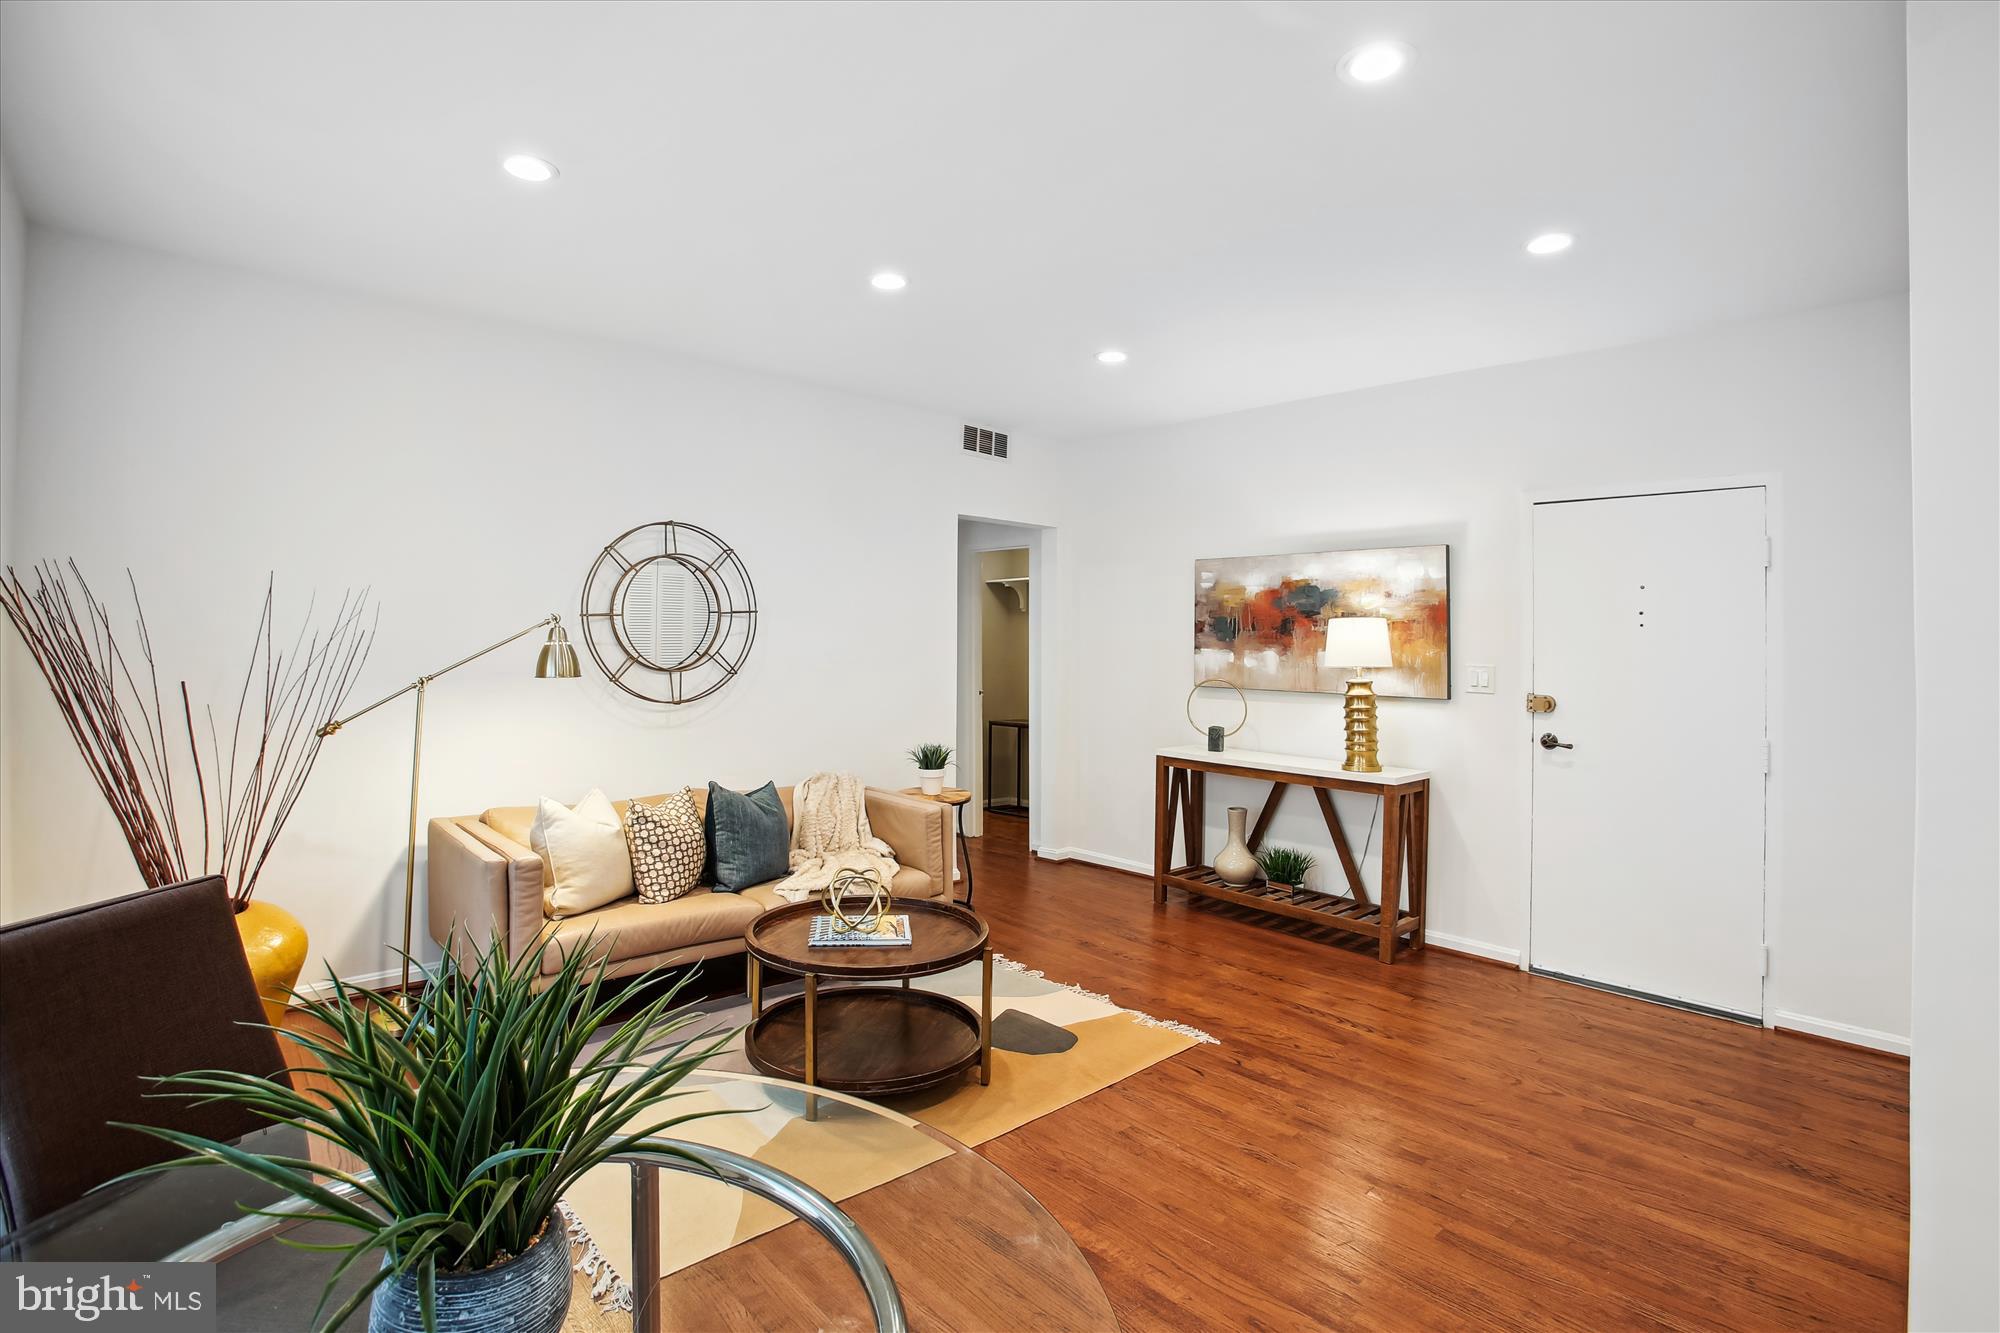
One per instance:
[(979, 440)]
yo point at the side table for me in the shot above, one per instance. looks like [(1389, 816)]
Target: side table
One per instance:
[(958, 798), (869, 1040)]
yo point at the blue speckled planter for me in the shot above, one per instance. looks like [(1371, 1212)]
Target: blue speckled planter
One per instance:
[(528, 1294)]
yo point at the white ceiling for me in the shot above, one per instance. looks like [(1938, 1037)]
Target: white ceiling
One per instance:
[(1188, 181)]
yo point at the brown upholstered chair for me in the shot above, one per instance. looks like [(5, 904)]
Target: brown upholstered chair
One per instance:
[(93, 1000)]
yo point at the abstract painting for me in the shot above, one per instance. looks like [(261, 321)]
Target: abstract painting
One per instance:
[(1259, 620)]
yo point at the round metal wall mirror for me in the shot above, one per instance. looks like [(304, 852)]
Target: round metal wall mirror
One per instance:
[(669, 612)]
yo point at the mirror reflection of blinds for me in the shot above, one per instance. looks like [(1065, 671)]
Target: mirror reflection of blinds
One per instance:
[(980, 440), (666, 613)]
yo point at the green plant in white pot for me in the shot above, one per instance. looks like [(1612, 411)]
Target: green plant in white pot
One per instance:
[(930, 761), (474, 1113), (1286, 867)]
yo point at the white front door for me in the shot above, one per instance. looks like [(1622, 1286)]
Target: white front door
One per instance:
[(1648, 861)]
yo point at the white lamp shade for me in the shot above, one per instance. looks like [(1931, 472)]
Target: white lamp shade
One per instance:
[(1356, 641)]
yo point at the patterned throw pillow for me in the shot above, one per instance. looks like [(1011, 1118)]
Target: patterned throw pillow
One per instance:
[(667, 847)]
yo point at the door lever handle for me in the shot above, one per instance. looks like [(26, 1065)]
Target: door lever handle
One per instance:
[(1549, 742)]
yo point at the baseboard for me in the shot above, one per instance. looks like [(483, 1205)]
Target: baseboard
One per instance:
[(1096, 859), (1471, 948), (323, 989), (1844, 1033)]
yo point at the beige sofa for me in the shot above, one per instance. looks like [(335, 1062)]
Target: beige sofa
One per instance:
[(484, 876)]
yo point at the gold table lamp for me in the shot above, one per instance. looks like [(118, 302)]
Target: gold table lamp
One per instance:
[(556, 661), (1361, 642)]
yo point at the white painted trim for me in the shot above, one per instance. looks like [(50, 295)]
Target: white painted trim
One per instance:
[(321, 990), (1089, 857), (1774, 699), (1845, 1033), (1478, 948)]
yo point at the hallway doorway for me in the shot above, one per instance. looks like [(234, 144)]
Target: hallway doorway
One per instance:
[(1005, 731), (1000, 691)]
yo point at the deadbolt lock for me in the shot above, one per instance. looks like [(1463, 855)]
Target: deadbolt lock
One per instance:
[(1541, 703)]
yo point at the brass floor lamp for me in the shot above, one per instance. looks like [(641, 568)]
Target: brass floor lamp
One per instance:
[(556, 661)]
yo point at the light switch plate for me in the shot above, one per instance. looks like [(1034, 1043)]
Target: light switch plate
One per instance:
[(1479, 680)]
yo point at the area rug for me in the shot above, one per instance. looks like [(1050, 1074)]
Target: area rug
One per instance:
[(1053, 1044)]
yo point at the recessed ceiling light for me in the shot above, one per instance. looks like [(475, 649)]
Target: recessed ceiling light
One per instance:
[(1111, 356), (888, 282), (526, 168), (1551, 243), (1375, 62)]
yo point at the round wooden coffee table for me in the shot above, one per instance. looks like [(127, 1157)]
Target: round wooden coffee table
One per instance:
[(869, 1040)]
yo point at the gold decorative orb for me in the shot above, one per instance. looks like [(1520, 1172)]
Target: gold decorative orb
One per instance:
[(849, 883)]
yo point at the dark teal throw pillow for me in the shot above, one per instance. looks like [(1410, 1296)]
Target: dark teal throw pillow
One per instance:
[(747, 836)]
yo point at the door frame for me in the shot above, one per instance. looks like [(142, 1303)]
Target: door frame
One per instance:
[(1043, 699), (1774, 712)]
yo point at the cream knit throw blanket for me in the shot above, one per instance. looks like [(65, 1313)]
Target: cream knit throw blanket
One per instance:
[(830, 834)]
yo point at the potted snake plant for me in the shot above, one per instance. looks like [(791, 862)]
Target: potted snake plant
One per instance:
[(930, 760), (473, 1112)]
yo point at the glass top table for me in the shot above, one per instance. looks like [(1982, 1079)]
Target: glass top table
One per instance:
[(965, 1245)]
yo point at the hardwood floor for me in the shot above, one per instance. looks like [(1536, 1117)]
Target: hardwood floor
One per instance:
[(1444, 1143)]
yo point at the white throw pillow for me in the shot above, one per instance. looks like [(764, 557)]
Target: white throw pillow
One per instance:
[(584, 848)]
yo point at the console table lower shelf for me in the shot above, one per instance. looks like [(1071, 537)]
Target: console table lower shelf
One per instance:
[(1322, 909)]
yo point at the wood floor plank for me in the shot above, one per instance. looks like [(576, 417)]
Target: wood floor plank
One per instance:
[(1442, 1143)]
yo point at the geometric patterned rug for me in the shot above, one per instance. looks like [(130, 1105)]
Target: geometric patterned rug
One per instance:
[(1053, 1044)]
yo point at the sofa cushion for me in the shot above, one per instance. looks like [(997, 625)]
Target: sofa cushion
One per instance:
[(909, 882), (749, 836), (632, 928)]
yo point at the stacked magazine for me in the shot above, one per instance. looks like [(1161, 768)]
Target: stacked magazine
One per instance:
[(891, 932)]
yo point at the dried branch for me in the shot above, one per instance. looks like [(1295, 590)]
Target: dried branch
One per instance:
[(122, 730)]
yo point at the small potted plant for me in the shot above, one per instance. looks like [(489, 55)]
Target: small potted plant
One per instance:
[(1286, 867), (930, 761), (473, 1113)]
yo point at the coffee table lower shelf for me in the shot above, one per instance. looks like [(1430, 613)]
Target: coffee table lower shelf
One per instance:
[(1322, 909), (871, 1041)]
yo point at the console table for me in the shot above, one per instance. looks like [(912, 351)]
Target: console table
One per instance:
[(1180, 774)]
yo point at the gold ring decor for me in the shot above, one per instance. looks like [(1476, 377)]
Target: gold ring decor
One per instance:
[(1217, 680), (858, 883)]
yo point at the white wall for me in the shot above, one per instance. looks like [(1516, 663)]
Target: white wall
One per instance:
[(1817, 400), (204, 425), (13, 270), (1954, 89)]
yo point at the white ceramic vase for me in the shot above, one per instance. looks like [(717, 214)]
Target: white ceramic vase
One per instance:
[(1234, 864), (931, 780)]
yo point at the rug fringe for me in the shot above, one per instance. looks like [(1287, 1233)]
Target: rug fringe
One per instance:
[(1144, 1020), (611, 1292)]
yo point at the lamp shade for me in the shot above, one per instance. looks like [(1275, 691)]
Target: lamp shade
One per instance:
[(557, 659), (1356, 641)]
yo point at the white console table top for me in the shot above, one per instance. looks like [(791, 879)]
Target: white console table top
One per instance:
[(1305, 764)]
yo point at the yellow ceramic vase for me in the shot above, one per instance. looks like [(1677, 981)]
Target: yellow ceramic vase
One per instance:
[(275, 944)]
